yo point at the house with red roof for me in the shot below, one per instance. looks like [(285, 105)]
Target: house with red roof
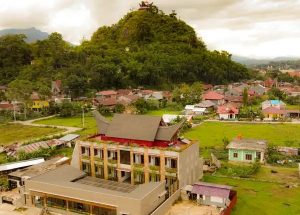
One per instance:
[(227, 112), (273, 113), (216, 98), (106, 94)]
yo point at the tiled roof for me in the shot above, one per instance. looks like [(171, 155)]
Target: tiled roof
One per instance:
[(273, 110), (227, 110), (107, 92), (211, 95)]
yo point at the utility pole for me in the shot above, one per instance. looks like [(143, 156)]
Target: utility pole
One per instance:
[(14, 112), (82, 116)]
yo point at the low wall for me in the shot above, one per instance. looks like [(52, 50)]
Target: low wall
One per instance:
[(165, 206)]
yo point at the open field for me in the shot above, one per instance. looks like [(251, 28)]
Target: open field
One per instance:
[(89, 123), (261, 198), (161, 112), (211, 134), (11, 133)]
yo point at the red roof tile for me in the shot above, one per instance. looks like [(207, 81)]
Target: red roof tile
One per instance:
[(211, 95), (226, 109), (274, 110), (107, 92)]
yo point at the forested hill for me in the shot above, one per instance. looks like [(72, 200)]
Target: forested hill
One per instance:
[(32, 34), (145, 48)]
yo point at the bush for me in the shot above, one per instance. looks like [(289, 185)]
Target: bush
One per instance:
[(242, 171), (119, 108)]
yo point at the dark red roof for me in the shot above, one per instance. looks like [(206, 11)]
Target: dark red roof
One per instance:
[(211, 95)]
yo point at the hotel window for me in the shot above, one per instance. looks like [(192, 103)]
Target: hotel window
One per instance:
[(56, 203), (248, 157), (154, 161), (112, 154), (85, 151), (86, 167), (79, 207), (235, 154), (171, 163), (138, 159)]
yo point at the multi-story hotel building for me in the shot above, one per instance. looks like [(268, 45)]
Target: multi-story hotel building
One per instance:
[(130, 152)]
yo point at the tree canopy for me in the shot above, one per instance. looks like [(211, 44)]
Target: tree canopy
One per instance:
[(145, 48)]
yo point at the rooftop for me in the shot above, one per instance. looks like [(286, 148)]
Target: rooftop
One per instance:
[(248, 144), (209, 189), (211, 95), (136, 127), (39, 168), (69, 181)]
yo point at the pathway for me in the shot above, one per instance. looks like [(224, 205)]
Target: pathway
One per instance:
[(66, 129)]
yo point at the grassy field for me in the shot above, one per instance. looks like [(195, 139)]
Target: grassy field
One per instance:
[(161, 112), (261, 198), (211, 134), (11, 133), (89, 123)]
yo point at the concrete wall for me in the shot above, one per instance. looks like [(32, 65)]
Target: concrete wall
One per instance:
[(190, 166), (165, 207)]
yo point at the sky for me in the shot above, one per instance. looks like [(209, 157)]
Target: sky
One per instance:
[(249, 28)]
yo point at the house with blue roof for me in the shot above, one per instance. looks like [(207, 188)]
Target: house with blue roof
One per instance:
[(273, 103)]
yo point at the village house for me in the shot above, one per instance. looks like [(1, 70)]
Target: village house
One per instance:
[(247, 150), (106, 94), (227, 112), (273, 103), (213, 194), (37, 102), (216, 98), (273, 113), (194, 110), (3, 88)]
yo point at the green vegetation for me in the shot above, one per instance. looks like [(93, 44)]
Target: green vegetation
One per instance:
[(263, 198), (211, 134), (11, 133), (243, 171), (145, 48), (75, 121)]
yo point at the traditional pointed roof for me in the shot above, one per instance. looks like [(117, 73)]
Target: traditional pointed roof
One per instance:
[(136, 127)]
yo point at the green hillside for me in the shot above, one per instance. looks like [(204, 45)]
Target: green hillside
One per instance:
[(145, 48)]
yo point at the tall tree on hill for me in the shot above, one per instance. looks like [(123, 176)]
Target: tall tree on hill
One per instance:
[(245, 97), (14, 53), (20, 90)]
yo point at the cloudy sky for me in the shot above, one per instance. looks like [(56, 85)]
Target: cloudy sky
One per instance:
[(252, 28)]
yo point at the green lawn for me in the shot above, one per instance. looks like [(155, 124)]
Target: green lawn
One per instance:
[(293, 107), (89, 125), (261, 198), (210, 134), (161, 112), (11, 133)]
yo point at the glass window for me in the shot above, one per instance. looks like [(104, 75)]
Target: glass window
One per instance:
[(235, 154), (56, 203), (248, 157)]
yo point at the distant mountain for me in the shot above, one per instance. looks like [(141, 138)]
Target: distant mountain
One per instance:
[(250, 62), (32, 34)]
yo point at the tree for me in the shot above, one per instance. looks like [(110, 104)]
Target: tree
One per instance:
[(188, 94), (20, 90), (245, 97), (141, 106), (119, 108), (14, 54)]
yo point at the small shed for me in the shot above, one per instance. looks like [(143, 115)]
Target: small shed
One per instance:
[(212, 194)]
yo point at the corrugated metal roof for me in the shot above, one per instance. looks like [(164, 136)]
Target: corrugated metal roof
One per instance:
[(21, 164), (208, 189), (69, 137)]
